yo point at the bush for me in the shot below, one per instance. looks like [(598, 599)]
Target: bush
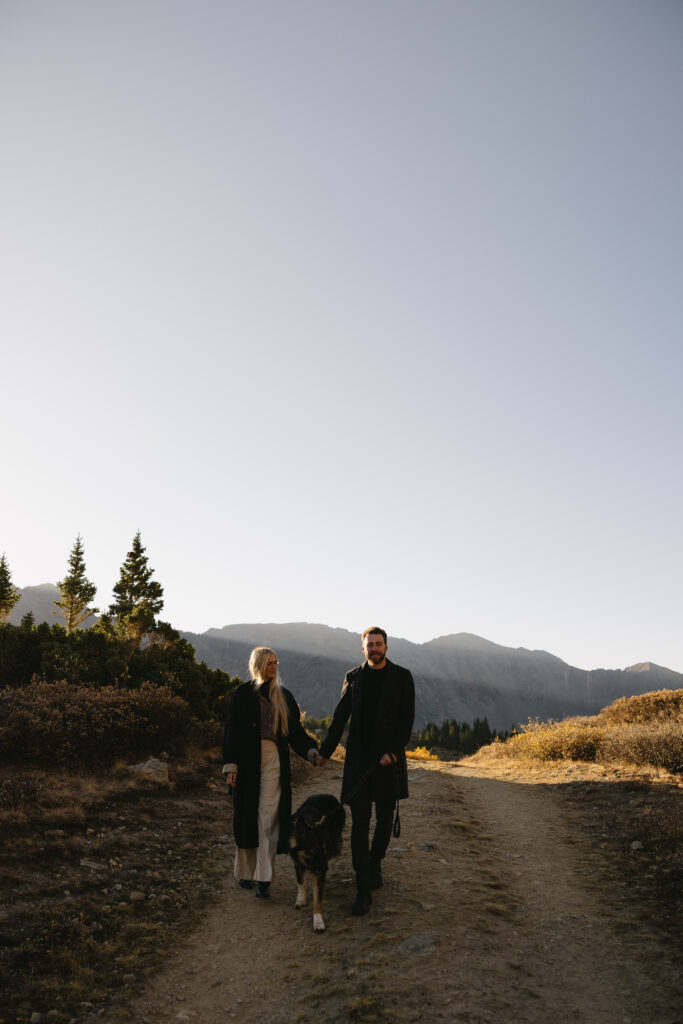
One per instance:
[(59, 724), (657, 705), (644, 730), (100, 657), (574, 738), (659, 744)]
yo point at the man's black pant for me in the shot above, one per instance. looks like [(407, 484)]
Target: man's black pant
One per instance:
[(361, 812)]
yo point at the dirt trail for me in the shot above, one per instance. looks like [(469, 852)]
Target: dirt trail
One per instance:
[(492, 909)]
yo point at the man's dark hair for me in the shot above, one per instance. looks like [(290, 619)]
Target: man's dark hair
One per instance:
[(373, 629)]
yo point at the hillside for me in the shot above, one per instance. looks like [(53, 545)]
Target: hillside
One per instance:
[(459, 676), (41, 601)]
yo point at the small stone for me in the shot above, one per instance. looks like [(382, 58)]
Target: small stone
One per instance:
[(420, 944), (37, 1018), (637, 845)]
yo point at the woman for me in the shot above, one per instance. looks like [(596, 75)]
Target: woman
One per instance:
[(263, 722)]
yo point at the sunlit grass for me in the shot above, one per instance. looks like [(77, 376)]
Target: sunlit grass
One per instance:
[(642, 730)]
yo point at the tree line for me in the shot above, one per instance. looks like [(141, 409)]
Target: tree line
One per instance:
[(127, 646), (459, 736)]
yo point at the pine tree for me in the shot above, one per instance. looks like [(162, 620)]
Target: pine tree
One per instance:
[(139, 598), (77, 591), (9, 595)]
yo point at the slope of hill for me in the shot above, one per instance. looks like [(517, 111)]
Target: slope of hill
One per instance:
[(457, 676), (460, 676), (41, 601)]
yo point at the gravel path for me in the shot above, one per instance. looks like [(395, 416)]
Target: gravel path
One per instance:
[(494, 908)]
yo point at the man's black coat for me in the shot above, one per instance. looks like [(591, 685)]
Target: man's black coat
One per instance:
[(242, 746), (391, 733)]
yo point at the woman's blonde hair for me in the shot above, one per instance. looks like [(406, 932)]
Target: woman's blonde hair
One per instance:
[(257, 667)]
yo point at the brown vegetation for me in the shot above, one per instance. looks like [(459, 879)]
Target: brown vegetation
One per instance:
[(642, 730), (60, 724), (636, 745), (95, 874)]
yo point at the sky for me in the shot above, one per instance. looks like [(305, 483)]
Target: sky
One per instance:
[(360, 312)]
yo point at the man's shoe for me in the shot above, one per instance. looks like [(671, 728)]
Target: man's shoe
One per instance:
[(375, 873), (361, 904), (245, 883), (263, 890)]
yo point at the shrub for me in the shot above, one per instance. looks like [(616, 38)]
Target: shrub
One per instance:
[(59, 724), (644, 730), (575, 738), (659, 744), (422, 754), (646, 707)]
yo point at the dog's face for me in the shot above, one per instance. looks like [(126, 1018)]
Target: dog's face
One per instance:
[(317, 832)]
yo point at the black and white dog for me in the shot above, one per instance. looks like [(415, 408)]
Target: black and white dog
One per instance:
[(315, 837)]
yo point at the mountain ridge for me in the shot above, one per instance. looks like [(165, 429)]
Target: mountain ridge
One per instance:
[(457, 675)]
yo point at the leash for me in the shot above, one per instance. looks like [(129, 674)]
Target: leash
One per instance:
[(397, 820), (396, 828), (359, 785)]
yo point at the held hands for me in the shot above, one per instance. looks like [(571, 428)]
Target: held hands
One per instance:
[(320, 762), (387, 759)]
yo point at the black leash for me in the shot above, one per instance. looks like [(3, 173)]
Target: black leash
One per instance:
[(359, 785), (397, 820), (396, 830)]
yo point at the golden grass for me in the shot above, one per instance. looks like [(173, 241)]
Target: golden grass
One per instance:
[(421, 754), (643, 730)]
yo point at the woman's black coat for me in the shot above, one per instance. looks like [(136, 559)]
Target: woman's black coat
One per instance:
[(242, 746), (391, 733)]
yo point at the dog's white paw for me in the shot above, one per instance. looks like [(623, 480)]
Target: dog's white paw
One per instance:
[(318, 923), (300, 898)]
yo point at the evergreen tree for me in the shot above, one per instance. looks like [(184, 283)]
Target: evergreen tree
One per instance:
[(9, 595), (139, 598), (76, 590)]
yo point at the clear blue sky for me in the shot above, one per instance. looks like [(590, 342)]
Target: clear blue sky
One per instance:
[(358, 311)]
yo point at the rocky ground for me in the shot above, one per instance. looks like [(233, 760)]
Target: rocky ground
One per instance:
[(513, 893)]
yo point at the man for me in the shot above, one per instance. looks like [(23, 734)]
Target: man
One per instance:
[(380, 698)]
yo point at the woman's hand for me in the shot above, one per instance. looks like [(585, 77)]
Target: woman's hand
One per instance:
[(232, 778)]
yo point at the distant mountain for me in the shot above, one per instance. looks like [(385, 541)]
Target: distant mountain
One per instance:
[(459, 676), (41, 601)]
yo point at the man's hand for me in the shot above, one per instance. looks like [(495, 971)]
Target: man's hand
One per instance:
[(232, 778), (386, 759)]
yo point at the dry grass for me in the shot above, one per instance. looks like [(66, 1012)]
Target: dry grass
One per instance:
[(643, 730), (633, 747), (96, 874), (422, 754)]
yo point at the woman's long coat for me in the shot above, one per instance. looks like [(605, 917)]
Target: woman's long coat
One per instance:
[(391, 733), (242, 746)]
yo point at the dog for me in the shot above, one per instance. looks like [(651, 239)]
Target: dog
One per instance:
[(315, 837)]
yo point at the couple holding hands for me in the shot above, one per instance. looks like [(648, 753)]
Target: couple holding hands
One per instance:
[(264, 721)]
